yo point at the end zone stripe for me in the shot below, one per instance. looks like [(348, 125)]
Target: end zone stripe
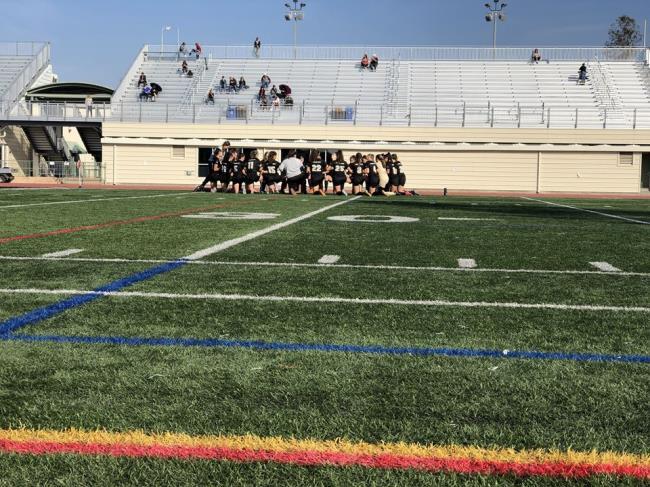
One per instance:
[(331, 348), (312, 452)]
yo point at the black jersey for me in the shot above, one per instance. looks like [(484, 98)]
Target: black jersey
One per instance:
[(224, 167), (339, 168), (317, 167), (271, 168), (390, 168), (397, 168), (356, 169), (237, 167), (253, 166), (371, 166)]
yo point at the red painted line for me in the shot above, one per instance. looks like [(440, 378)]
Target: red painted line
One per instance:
[(316, 458), (113, 223)]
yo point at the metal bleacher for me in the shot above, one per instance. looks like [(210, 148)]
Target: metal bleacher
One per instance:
[(466, 87), (20, 64)]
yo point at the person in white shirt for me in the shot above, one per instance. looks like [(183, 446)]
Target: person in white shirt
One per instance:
[(294, 171)]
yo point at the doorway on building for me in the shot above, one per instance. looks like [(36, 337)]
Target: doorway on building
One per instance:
[(645, 171)]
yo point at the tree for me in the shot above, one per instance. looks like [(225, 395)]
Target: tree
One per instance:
[(624, 33)]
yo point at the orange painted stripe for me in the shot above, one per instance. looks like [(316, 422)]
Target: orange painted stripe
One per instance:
[(452, 458)]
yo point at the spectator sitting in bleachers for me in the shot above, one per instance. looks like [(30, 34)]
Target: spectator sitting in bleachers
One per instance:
[(536, 57), (142, 80), (222, 84), (365, 62), (274, 91), (264, 102), (184, 67), (233, 85), (210, 97), (146, 93), (197, 50), (182, 49), (190, 74), (288, 101), (582, 74), (275, 103), (261, 95), (155, 89), (242, 84), (265, 81), (374, 62)]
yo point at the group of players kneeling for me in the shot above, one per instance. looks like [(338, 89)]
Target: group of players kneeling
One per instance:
[(231, 170)]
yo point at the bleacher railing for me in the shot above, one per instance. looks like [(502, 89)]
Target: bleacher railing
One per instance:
[(58, 112), (410, 53), (40, 53), (351, 113)]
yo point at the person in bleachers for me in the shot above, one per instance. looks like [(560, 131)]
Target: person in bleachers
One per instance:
[(184, 67), (288, 101), (374, 62), (274, 91), (261, 95), (536, 57), (182, 49), (232, 85), (242, 84), (365, 62), (275, 102), (197, 50), (222, 84), (142, 80), (145, 94), (210, 97), (265, 81), (190, 74), (257, 46), (264, 102), (582, 74)]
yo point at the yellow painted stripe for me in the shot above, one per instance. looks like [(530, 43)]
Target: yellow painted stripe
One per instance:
[(277, 444)]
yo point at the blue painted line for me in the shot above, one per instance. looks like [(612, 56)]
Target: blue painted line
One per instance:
[(332, 348), (46, 312)]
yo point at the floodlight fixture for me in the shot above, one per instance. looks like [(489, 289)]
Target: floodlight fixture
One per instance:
[(295, 14), (495, 15)]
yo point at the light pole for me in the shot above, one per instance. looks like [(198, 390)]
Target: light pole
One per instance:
[(495, 15), (165, 28), (296, 14)]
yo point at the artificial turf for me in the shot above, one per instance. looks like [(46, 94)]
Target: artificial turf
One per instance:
[(432, 400)]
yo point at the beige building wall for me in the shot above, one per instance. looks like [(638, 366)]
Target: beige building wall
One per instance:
[(17, 150), (458, 159)]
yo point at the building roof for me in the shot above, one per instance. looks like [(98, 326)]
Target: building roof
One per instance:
[(70, 92)]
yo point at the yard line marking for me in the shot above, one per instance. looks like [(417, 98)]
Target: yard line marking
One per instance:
[(333, 266), (453, 219), (220, 247), (333, 299), (62, 253), (11, 325), (330, 348), (608, 215), (90, 200), (605, 266), (467, 263), (329, 259), (113, 223)]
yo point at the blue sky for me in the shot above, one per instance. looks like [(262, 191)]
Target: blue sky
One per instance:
[(96, 41)]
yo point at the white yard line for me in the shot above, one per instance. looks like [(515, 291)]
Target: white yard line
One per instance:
[(608, 215), (453, 219), (90, 200), (331, 266), (62, 253), (605, 267), (329, 259), (333, 299), (467, 263), (220, 247)]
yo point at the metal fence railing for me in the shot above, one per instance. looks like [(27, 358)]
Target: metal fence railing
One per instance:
[(351, 113), (89, 171), (409, 53), (58, 112), (41, 58)]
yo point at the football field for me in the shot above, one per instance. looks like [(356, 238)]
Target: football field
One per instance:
[(172, 338)]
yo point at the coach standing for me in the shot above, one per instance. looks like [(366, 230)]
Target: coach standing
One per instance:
[(294, 171)]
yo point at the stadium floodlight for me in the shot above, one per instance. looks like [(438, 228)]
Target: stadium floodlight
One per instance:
[(165, 28), (495, 15), (295, 14)]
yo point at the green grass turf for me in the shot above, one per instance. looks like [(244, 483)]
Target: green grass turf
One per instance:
[(485, 402), (75, 471), (522, 404)]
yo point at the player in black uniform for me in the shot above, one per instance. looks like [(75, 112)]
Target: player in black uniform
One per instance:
[(357, 176), (213, 172), (393, 174), (339, 173), (401, 176), (270, 174), (372, 177), (224, 171), (237, 172), (316, 173), (252, 172)]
